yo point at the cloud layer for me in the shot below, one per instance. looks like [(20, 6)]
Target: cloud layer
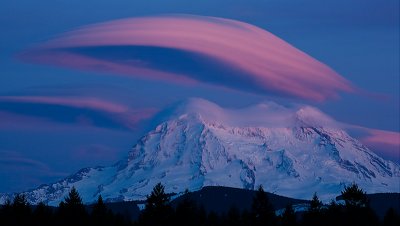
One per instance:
[(190, 49), (386, 142), (86, 111), (26, 172)]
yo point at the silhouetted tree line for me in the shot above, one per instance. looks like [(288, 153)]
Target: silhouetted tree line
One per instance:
[(70, 212), (158, 211)]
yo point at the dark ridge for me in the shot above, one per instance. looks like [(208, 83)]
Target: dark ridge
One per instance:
[(381, 202), (221, 199)]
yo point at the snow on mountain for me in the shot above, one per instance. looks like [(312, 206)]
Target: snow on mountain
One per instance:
[(292, 151)]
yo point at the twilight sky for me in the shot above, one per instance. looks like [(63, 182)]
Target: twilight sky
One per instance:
[(80, 79)]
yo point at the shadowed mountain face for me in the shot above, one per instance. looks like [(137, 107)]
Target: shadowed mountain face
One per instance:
[(291, 152)]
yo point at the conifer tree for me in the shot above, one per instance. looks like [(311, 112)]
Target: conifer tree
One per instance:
[(357, 210), (20, 210), (99, 209), (289, 216), (186, 212), (43, 215), (158, 199), (20, 204), (6, 213), (72, 210), (354, 196), (315, 204), (100, 214), (391, 218), (334, 214), (262, 211), (158, 210), (313, 216), (73, 200)]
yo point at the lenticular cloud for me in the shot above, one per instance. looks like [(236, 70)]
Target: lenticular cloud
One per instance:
[(190, 49)]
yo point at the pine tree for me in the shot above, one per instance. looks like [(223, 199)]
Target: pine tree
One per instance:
[(42, 215), (6, 213), (72, 210), (289, 216), (21, 211), (158, 210), (73, 200), (158, 199), (391, 218), (100, 214), (315, 204), (20, 204), (186, 212), (333, 216), (99, 209), (313, 216), (354, 196), (262, 211), (357, 210)]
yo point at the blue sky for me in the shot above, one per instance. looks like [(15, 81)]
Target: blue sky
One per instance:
[(358, 39)]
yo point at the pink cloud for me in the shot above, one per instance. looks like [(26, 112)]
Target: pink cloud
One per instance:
[(387, 142), (81, 102), (88, 112), (265, 63)]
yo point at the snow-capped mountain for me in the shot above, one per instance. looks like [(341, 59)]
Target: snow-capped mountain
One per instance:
[(290, 151)]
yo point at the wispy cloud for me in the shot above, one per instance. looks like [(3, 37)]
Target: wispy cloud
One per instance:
[(189, 49), (387, 142), (83, 102), (15, 159), (18, 110), (26, 172)]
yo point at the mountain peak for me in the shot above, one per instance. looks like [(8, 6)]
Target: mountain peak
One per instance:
[(205, 108), (265, 114), (291, 151), (313, 117)]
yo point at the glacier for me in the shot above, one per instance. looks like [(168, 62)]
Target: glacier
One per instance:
[(290, 151)]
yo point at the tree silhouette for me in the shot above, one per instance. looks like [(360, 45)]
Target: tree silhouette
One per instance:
[(158, 210), (20, 205), (357, 210), (158, 199), (186, 212), (315, 204), (354, 196), (100, 214), (289, 216), (73, 200), (262, 211), (313, 216), (5, 213), (99, 209), (391, 218), (333, 216), (72, 210), (42, 215), (21, 211)]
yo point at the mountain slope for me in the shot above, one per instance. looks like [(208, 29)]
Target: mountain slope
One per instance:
[(291, 152)]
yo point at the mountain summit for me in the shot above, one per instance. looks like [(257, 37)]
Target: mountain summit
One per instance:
[(290, 151)]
